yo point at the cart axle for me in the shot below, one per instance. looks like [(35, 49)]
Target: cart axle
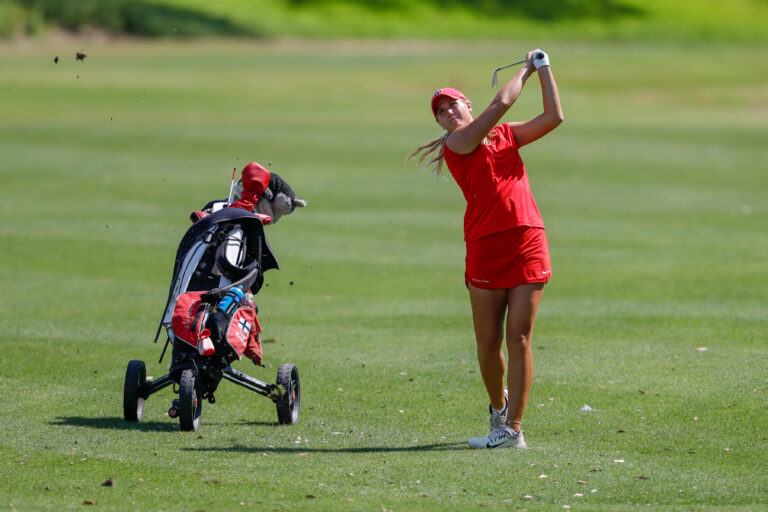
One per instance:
[(248, 382)]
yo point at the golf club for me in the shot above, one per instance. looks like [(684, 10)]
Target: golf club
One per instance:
[(494, 80), (231, 186)]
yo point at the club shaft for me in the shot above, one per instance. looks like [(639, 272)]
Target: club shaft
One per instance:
[(496, 71), (232, 186), (510, 65)]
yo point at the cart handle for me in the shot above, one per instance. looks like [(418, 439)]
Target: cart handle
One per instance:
[(217, 293)]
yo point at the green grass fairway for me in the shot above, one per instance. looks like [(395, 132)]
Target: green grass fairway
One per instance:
[(655, 196)]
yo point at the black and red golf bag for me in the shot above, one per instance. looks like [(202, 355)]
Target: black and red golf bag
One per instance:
[(211, 320)]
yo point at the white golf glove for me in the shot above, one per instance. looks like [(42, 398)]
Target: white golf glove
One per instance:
[(540, 58)]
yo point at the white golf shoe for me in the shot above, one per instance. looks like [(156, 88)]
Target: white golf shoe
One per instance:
[(504, 437), (499, 418)]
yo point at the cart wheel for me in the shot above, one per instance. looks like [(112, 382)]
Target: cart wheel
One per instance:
[(190, 404), (289, 402), (133, 403)]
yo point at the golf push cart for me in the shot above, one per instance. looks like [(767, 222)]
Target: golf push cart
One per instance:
[(210, 319)]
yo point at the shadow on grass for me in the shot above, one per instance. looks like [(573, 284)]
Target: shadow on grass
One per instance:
[(359, 449), (116, 423)]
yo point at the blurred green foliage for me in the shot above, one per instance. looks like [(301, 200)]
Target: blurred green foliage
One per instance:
[(16, 20), (136, 17), (682, 20), (531, 9)]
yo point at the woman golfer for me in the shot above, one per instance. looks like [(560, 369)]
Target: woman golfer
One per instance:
[(507, 259)]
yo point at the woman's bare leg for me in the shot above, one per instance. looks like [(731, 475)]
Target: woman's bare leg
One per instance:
[(522, 303), (488, 310)]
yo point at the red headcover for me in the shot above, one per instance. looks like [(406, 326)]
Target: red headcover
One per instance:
[(255, 182)]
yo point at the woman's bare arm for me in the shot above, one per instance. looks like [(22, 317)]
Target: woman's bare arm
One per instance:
[(528, 131), (464, 140)]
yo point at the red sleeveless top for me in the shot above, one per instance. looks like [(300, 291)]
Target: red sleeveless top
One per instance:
[(495, 184)]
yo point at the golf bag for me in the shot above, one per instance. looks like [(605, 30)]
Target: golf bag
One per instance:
[(211, 320), (224, 254)]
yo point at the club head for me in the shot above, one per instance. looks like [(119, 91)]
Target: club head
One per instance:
[(494, 80)]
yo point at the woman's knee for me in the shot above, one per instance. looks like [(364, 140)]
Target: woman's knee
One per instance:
[(517, 340), (489, 346)]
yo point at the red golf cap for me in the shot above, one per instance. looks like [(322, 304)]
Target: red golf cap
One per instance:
[(446, 92)]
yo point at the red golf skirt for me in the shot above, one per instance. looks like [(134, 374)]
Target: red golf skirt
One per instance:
[(508, 259)]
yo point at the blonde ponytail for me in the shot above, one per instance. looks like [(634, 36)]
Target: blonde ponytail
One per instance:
[(433, 150)]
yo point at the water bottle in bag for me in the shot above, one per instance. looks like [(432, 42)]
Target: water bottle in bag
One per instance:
[(228, 304)]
